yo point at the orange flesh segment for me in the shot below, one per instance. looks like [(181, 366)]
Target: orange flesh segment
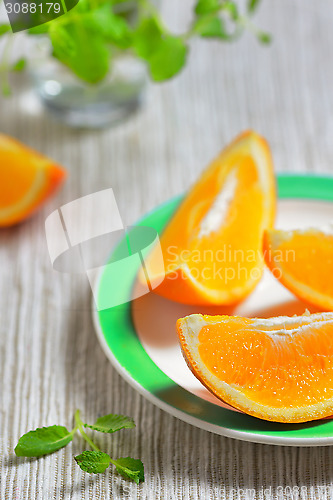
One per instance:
[(221, 261), (27, 178), (278, 369), (206, 250), (313, 261), (303, 261)]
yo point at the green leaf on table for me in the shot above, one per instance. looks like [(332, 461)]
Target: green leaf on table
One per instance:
[(210, 27), (168, 58), (112, 423), (147, 37), (78, 46), (42, 441), (19, 65), (94, 462), (252, 5), (5, 28), (207, 6), (130, 468)]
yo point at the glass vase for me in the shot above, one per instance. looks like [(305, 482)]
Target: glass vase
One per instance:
[(82, 105)]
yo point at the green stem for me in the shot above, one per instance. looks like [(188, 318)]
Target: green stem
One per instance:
[(79, 426), (73, 431), (193, 30), (239, 25), (247, 24)]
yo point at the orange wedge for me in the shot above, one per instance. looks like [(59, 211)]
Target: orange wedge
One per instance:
[(278, 369), (212, 247), (27, 179), (303, 261)]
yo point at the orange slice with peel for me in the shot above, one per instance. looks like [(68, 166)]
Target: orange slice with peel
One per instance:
[(27, 179), (278, 369), (302, 260), (212, 247)]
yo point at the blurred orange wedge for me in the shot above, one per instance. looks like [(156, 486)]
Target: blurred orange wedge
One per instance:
[(212, 247), (303, 261), (278, 369), (27, 179)]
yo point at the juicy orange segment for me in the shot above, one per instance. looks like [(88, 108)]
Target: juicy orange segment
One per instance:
[(303, 261), (27, 179), (212, 247), (278, 369)]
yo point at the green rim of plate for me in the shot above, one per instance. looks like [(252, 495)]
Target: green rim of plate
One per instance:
[(122, 345)]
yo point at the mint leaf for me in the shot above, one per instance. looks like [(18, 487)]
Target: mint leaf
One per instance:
[(130, 468), (118, 32), (94, 462), (210, 27), (5, 28), (168, 58), (165, 53), (42, 441), (78, 46), (113, 28), (112, 423), (207, 6), (147, 37), (19, 65)]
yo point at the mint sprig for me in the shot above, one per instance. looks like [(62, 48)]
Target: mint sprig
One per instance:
[(87, 38), (46, 440), (112, 423), (43, 441)]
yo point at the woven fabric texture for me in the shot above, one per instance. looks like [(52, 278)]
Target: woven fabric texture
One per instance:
[(50, 359)]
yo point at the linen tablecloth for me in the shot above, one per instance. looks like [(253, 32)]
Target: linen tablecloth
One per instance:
[(51, 362)]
